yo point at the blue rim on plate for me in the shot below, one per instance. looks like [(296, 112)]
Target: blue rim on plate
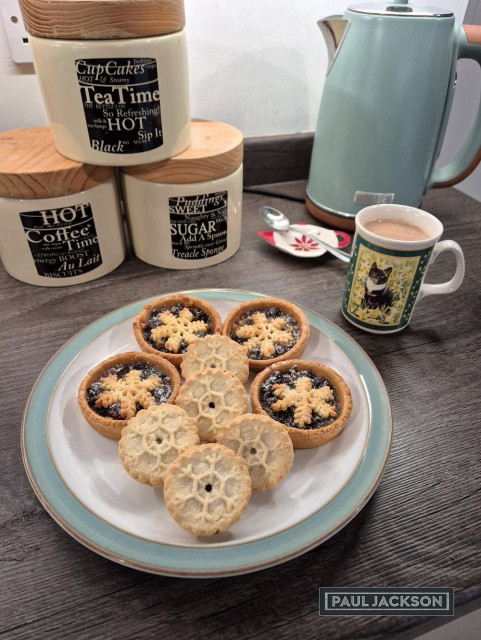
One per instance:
[(153, 557)]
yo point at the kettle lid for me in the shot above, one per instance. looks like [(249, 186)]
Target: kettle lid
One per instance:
[(401, 9)]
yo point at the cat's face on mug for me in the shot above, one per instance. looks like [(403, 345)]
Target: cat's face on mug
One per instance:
[(379, 276)]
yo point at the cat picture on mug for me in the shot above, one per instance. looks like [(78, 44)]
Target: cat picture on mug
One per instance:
[(386, 273), (377, 293)]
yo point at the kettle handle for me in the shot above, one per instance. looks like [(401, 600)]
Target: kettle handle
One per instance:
[(469, 155)]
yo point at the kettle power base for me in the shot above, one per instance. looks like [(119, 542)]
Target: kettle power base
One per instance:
[(345, 222)]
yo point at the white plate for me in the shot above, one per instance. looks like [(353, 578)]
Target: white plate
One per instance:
[(78, 476)]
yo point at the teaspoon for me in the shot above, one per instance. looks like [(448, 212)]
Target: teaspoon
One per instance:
[(280, 222)]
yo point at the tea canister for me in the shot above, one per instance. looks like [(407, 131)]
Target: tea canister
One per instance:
[(60, 220), (185, 212), (113, 76)]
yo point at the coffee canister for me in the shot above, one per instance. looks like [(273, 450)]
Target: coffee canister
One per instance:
[(61, 221), (113, 76), (185, 212)]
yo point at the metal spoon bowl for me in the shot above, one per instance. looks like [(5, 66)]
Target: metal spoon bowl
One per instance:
[(280, 222)]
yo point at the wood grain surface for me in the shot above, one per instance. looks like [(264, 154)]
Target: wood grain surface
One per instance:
[(31, 167), (216, 150), (101, 19), (421, 527)]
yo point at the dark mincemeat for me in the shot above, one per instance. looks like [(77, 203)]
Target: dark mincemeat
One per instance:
[(270, 313), (161, 394), (154, 321), (289, 378)]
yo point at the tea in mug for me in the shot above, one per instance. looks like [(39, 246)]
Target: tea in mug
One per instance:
[(396, 230)]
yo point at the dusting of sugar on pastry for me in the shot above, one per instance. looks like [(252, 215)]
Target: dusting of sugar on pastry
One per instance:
[(177, 330), (129, 391), (264, 333), (305, 401)]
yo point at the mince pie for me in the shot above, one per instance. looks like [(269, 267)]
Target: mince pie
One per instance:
[(116, 389), (212, 398), (215, 352), (311, 400), (207, 489), (264, 445), (168, 325), (269, 330), (153, 439)]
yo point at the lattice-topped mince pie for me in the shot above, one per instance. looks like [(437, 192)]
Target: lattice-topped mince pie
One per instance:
[(168, 325), (215, 352), (153, 439), (311, 400), (263, 444), (212, 398), (269, 330), (207, 489), (117, 388)]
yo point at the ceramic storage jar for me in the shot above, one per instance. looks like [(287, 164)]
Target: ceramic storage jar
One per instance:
[(113, 76), (60, 219), (185, 212)]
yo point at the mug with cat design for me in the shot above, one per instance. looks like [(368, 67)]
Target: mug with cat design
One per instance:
[(392, 248)]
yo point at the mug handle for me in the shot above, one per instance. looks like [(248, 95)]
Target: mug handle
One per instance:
[(451, 285)]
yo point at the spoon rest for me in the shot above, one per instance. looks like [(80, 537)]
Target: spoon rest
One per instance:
[(296, 244)]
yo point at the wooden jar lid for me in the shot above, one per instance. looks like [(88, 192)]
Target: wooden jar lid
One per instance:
[(216, 151), (31, 167), (102, 19)]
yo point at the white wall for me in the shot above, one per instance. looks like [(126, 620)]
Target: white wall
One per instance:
[(256, 64)]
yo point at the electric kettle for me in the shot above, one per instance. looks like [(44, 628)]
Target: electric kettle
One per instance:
[(384, 108)]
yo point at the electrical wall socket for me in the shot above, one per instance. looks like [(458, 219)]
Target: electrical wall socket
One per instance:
[(15, 31)]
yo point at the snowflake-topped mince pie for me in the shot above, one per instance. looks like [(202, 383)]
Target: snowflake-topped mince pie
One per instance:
[(168, 325), (115, 390), (310, 399), (269, 330)]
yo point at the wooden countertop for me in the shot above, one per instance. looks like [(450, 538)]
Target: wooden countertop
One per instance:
[(421, 527)]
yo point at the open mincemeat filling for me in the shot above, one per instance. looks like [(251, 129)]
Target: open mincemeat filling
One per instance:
[(265, 333), (299, 399), (121, 391), (171, 329)]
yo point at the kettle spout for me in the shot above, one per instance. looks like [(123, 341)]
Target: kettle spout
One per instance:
[(334, 29)]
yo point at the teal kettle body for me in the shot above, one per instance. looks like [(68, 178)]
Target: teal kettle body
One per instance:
[(384, 109)]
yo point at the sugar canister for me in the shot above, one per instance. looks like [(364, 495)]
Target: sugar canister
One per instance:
[(185, 212), (113, 76), (60, 219)]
